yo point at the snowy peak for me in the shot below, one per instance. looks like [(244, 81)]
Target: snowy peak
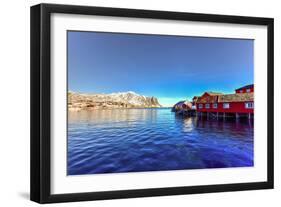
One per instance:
[(129, 99)]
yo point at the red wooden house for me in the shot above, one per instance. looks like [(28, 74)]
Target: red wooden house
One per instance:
[(245, 89), (216, 104), (208, 102)]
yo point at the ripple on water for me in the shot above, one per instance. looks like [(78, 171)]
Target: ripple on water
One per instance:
[(135, 140)]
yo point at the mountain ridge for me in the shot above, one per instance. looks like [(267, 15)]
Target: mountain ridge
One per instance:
[(83, 101)]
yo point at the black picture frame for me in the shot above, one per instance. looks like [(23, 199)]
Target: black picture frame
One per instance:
[(41, 98)]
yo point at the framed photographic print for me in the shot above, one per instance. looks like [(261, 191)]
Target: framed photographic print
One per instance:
[(132, 103)]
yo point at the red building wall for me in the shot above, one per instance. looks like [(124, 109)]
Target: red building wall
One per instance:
[(235, 107), (244, 90)]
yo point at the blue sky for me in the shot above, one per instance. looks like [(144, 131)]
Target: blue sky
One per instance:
[(171, 68)]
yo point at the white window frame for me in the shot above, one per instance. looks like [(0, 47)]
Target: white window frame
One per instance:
[(249, 105), (207, 106), (215, 105), (200, 106), (240, 91), (226, 105), (248, 90)]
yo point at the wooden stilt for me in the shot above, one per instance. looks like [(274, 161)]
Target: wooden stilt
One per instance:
[(236, 117)]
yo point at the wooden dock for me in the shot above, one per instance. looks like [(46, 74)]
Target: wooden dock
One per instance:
[(224, 115)]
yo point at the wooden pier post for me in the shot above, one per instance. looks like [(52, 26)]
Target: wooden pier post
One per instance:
[(223, 115), (237, 116), (217, 115), (249, 115)]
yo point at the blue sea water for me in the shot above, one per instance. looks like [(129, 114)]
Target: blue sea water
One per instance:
[(136, 140)]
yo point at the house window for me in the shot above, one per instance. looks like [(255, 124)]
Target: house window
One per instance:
[(226, 105), (249, 105), (200, 106), (241, 91), (207, 106), (248, 90), (215, 105)]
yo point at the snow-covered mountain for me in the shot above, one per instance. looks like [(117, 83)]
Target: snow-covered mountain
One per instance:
[(130, 99)]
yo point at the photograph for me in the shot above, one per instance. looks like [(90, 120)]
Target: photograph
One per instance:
[(132, 103), (141, 103)]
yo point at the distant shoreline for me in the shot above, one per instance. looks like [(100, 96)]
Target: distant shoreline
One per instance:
[(100, 109)]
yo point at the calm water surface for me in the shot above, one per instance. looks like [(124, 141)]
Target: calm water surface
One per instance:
[(134, 140)]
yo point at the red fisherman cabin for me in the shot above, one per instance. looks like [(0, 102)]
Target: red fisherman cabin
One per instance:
[(245, 89), (217, 104)]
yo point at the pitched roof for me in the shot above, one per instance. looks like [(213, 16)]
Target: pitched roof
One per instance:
[(246, 87), (181, 104), (208, 99), (237, 97), (211, 93)]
